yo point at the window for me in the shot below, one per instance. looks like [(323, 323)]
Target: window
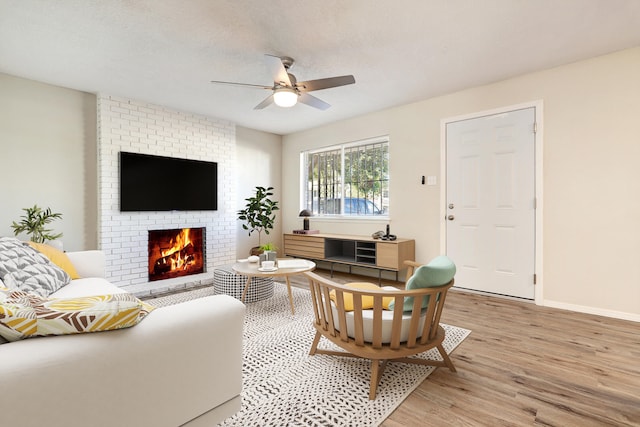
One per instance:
[(350, 179)]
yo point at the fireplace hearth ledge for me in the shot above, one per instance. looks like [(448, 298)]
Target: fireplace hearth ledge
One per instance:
[(177, 284)]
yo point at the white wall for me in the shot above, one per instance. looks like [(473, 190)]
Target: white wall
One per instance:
[(48, 157), (591, 177), (259, 157), (48, 145), (128, 125)]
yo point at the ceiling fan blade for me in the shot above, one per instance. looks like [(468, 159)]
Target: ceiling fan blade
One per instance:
[(278, 71), (268, 101), (311, 100), (241, 84), (327, 83)]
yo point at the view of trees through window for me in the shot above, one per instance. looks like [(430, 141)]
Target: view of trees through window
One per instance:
[(351, 179)]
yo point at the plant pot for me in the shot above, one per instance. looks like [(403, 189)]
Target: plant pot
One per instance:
[(256, 251)]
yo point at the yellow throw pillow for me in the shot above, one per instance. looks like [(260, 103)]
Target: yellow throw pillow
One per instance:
[(57, 257), (25, 315), (367, 301)]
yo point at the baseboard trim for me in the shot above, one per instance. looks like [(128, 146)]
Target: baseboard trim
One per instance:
[(593, 310)]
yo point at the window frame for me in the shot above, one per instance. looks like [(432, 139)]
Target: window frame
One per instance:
[(383, 194)]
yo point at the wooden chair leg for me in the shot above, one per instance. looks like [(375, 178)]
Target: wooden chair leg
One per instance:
[(377, 369), (314, 345), (446, 359), (375, 365)]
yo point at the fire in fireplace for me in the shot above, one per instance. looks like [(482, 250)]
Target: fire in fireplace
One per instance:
[(175, 253)]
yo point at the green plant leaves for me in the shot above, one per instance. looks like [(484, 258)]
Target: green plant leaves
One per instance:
[(258, 213), (33, 223)]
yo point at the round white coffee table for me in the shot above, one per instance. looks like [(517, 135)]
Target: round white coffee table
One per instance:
[(285, 267)]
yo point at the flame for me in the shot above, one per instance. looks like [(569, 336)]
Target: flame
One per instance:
[(179, 260)]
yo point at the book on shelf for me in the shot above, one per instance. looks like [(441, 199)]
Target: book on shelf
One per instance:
[(306, 231)]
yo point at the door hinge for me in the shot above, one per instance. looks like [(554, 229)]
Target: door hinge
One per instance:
[(535, 278), (535, 203), (535, 127)]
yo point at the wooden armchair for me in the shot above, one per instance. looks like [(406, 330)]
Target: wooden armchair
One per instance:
[(377, 334)]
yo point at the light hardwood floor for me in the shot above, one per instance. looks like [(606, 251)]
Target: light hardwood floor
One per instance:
[(525, 365)]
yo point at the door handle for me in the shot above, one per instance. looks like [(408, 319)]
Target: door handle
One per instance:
[(451, 217)]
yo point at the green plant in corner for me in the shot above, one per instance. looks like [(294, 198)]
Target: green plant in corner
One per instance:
[(33, 223), (258, 214)]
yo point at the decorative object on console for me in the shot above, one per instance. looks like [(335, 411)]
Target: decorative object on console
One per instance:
[(33, 223), (388, 236), (377, 234), (305, 213), (306, 231), (258, 214)]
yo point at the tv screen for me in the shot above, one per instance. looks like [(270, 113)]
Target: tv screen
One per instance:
[(155, 183)]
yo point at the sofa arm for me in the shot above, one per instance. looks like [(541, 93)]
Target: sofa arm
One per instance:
[(88, 263), (178, 363)]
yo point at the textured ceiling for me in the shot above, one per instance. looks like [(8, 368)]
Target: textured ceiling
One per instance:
[(166, 51)]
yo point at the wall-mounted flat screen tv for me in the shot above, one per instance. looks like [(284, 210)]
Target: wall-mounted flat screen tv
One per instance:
[(156, 183)]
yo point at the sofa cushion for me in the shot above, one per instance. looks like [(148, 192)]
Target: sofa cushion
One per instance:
[(87, 287), (367, 301), (57, 257), (24, 268), (25, 315), (386, 325)]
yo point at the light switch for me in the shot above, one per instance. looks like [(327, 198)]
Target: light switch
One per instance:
[(431, 180)]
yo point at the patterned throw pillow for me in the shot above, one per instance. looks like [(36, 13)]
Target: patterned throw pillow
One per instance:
[(25, 315), (57, 257), (24, 268)]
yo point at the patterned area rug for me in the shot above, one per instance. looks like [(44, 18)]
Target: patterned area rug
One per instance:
[(284, 386)]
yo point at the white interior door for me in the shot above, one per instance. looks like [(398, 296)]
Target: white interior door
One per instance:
[(490, 191)]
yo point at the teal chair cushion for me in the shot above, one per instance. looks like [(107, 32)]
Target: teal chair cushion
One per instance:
[(439, 271)]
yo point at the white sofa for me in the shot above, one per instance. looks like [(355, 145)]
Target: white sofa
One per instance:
[(180, 366)]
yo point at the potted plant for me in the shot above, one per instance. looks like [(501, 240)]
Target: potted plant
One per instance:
[(258, 214), (268, 247), (267, 252), (33, 223)]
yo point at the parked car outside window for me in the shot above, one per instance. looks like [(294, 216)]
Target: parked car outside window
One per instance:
[(352, 206)]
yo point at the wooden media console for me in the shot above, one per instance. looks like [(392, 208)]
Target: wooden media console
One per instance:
[(361, 251)]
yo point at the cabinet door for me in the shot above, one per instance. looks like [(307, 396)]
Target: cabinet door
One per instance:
[(304, 246), (387, 255)]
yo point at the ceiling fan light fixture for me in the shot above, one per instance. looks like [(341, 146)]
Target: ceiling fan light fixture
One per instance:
[(285, 97)]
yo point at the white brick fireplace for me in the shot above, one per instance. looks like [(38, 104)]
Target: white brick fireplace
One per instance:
[(126, 125)]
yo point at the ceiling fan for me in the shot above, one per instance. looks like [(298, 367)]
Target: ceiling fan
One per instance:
[(287, 91)]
